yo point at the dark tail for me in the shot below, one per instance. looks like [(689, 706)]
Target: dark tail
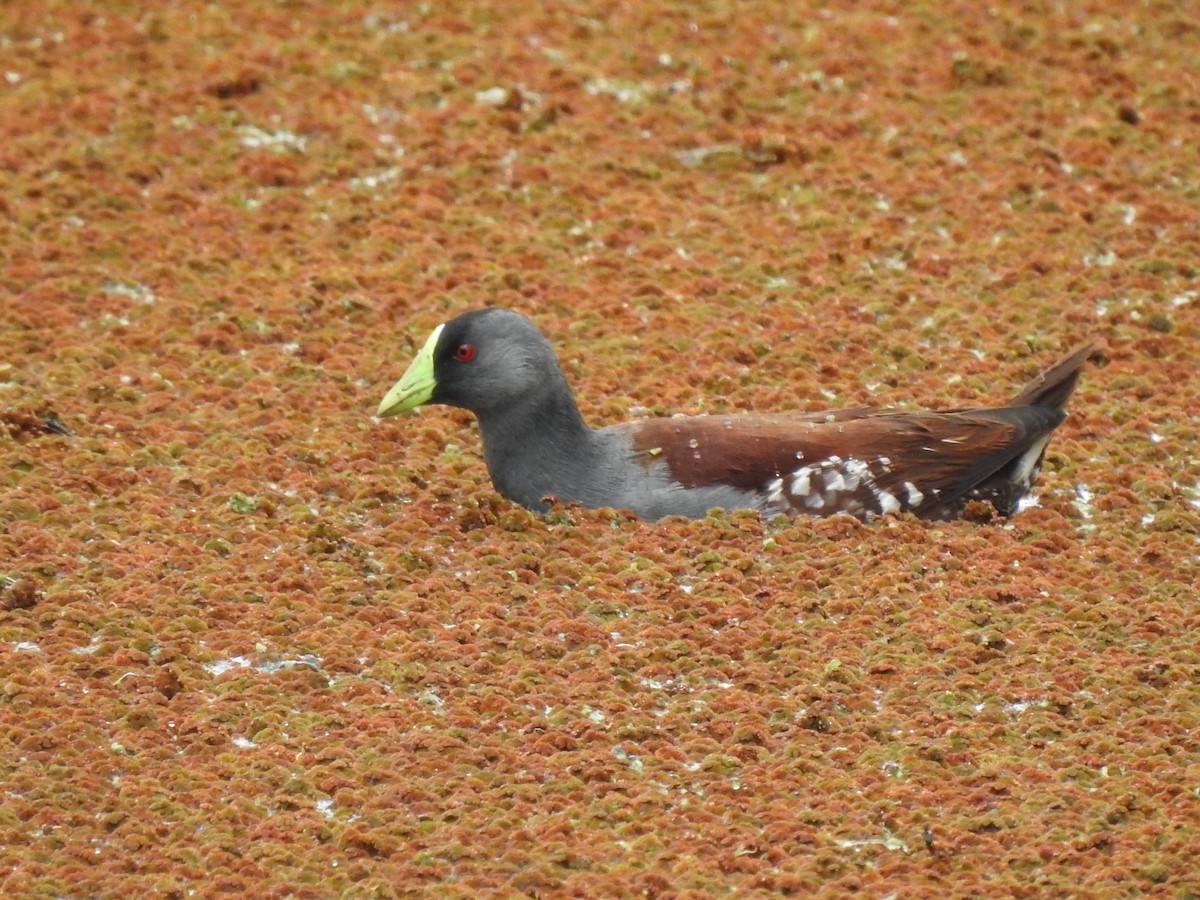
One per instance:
[(1054, 386)]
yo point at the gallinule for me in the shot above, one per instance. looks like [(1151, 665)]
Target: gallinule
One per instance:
[(862, 461)]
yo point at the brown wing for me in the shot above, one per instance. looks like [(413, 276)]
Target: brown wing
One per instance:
[(861, 461)]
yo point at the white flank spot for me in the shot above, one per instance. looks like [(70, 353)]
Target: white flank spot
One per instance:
[(834, 481), (775, 491), (914, 496), (800, 481), (814, 501), (887, 501), (857, 472)]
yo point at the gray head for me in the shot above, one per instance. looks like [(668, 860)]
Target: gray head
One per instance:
[(490, 361)]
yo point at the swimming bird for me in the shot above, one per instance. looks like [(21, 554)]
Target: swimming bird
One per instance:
[(863, 461)]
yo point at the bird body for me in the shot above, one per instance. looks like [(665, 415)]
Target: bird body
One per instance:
[(862, 461)]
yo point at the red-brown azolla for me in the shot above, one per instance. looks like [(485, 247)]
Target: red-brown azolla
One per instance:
[(253, 641)]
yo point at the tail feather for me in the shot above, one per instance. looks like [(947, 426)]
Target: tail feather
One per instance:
[(1054, 386)]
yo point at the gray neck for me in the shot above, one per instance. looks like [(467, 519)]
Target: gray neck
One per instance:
[(539, 448)]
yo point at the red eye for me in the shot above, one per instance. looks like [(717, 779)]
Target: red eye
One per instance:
[(465, 352)]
